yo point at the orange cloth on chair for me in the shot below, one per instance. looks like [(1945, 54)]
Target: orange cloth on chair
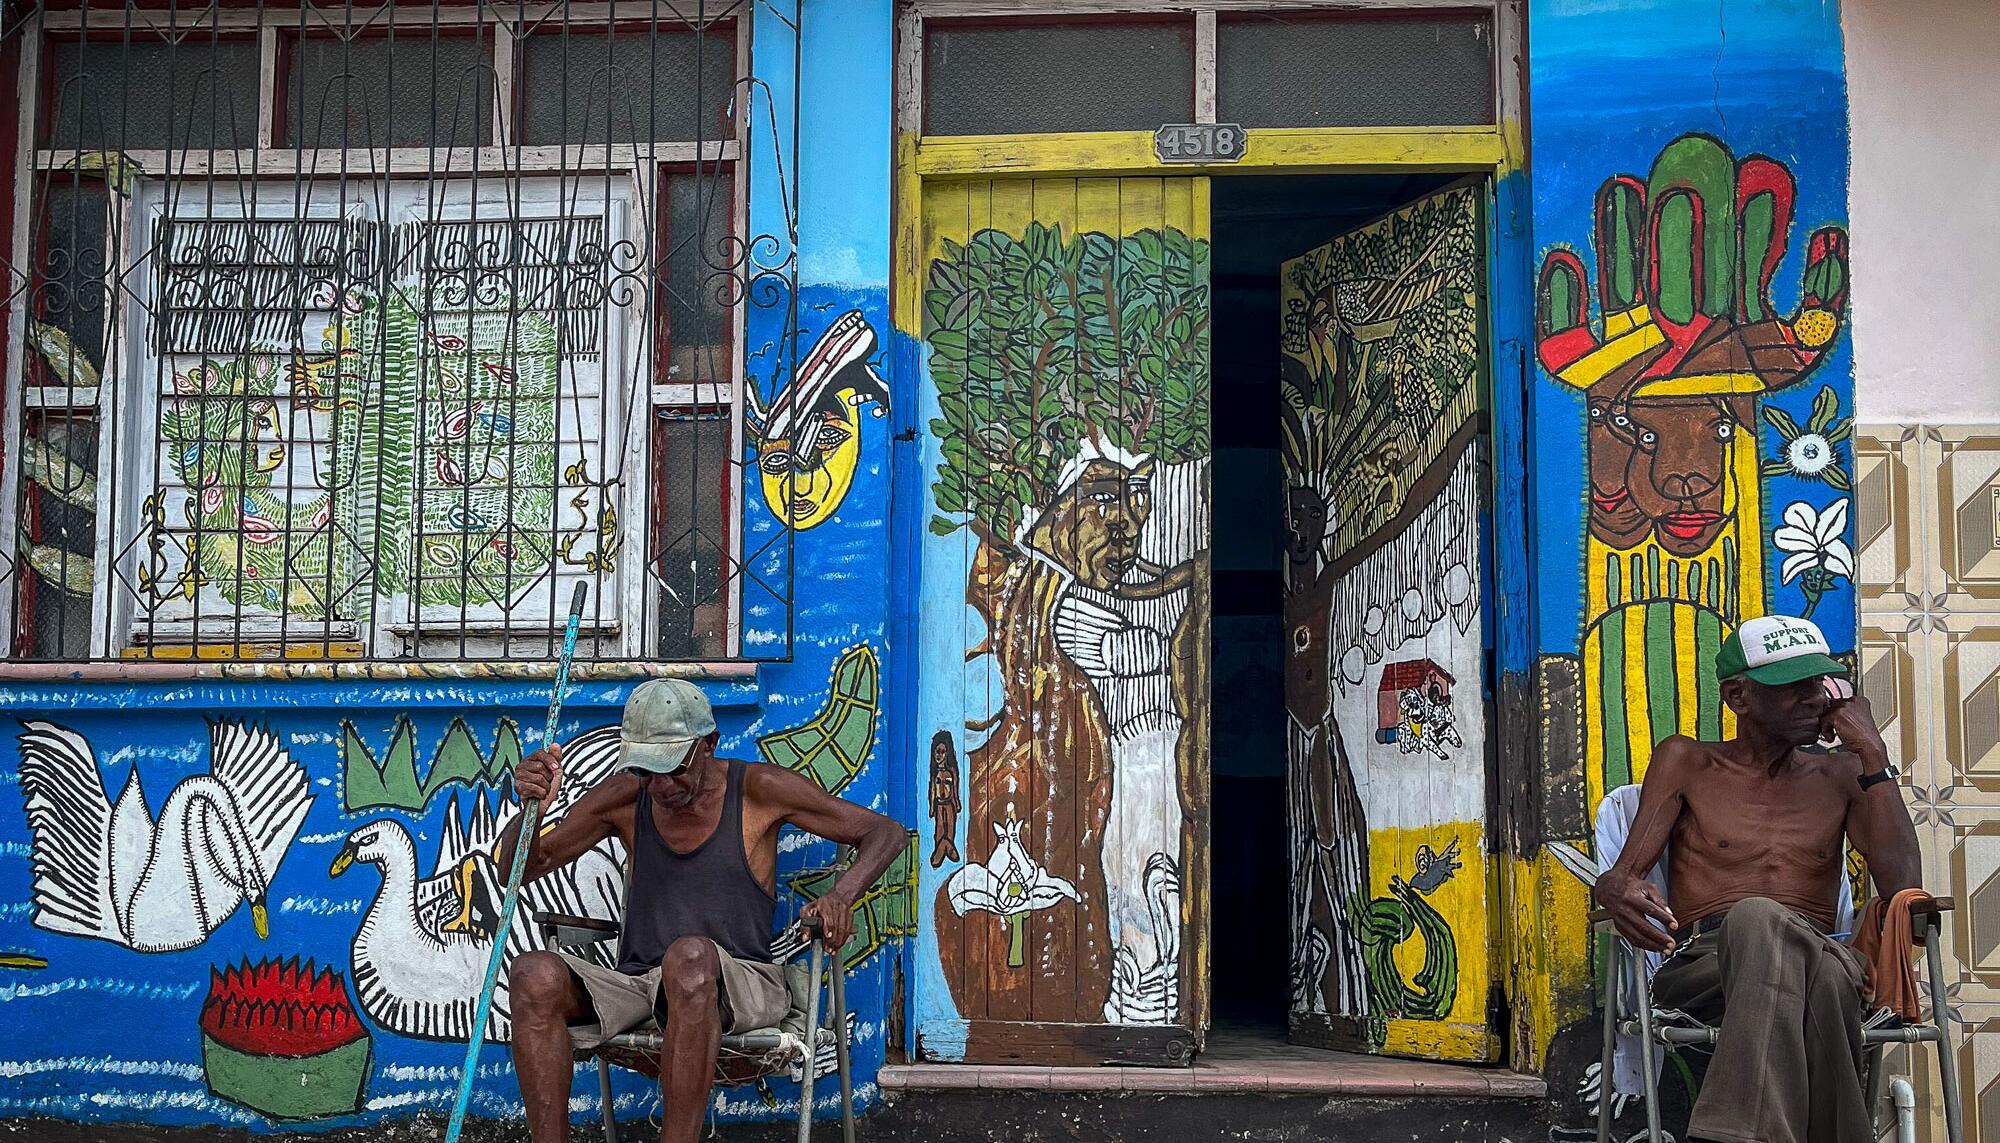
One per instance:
[(1884, 936)]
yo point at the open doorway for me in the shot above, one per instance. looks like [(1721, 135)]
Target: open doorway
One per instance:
[(1258, 223)]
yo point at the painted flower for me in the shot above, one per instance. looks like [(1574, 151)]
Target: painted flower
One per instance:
[(1816, 551), (1010, 885), (1811, 451)]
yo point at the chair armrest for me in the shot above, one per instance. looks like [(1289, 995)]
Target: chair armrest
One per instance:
[(565, 931)]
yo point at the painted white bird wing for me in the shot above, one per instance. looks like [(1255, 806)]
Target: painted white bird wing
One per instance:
[(70, 817), (271, 790), (591, 886), (588, 759), (476, 834)]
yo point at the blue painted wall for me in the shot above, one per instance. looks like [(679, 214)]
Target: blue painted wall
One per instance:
[(104, 1033), (1613, 84)]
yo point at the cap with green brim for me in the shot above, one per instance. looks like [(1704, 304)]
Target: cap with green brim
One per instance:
[(1777, 650), (663, 720)]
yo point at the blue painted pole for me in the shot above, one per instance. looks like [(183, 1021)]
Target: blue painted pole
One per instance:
[(531, 820)]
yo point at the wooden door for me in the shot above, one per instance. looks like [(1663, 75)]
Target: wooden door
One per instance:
[(1384, 368), (1064, 626)]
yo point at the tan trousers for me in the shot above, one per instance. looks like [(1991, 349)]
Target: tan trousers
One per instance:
[(1787, 1068)]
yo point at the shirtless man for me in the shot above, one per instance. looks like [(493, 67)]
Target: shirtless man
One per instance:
[(1753, 829), (702, 835)]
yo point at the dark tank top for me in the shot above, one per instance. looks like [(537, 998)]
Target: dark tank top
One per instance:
[(707, 892)]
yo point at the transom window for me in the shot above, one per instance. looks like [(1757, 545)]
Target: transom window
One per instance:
[(366, 333)]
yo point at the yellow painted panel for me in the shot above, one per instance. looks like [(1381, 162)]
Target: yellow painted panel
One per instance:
[(1684, 667), (1097, 205), (1141, 205), (1013, 205), (1177, 204), (1460, 898), (947, 215), (1055, 205), (1638, 719)]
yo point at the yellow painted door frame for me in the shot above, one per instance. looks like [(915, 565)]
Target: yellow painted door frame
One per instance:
[(1494, 151)]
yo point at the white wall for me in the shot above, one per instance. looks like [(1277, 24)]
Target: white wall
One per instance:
[(1924, 207)]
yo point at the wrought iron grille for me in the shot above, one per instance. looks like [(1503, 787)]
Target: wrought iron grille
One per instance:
[(365, 331)]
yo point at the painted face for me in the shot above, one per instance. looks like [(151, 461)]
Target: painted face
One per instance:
[(803, 488), (1679, 468), (1614, 518), (1093, 527), (1305, 525), (811, 442)]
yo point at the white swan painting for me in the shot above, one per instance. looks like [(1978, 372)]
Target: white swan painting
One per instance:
[(420, 954), (112, 872)]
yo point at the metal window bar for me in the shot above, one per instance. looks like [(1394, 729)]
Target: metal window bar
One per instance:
[(340, 337)]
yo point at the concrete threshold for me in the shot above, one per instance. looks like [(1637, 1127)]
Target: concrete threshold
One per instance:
[(1340, 1074)]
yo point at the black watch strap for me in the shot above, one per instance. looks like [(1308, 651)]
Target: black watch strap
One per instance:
[(1885, 774)]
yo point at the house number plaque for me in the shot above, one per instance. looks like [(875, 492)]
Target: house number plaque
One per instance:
[(1199, 143)]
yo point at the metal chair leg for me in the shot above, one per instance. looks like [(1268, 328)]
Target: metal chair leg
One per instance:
[(1648, 1066), (1874, 1077), (604, 1101), (1607, 1060), (1954, 1129), (836, 972), (812, 1043)]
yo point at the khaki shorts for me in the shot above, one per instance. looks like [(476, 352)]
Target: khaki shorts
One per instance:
[(753, 996)]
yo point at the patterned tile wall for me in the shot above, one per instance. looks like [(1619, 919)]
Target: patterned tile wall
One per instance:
[(1928, 514)]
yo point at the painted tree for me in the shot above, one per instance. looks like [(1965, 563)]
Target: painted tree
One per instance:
[(1037, 343)]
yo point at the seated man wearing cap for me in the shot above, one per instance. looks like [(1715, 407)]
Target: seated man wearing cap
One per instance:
[(1753, 828), (694, 954)]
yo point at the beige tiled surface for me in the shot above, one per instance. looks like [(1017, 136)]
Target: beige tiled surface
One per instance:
[(1928, 526)]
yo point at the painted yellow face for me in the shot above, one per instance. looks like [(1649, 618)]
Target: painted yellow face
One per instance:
[(804, 488)]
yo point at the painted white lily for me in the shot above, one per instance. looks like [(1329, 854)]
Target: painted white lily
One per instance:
[(1010, 885), (1815, 547)]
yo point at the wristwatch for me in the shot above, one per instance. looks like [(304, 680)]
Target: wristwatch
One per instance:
[(1885, 774)]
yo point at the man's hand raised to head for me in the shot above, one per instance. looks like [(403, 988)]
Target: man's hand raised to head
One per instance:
[(1635, 904), (1852, 720)]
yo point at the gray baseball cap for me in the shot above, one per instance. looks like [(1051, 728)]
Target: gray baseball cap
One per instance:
[(664, 718)]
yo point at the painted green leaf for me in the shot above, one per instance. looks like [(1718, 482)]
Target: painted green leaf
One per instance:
[(1781, 421)]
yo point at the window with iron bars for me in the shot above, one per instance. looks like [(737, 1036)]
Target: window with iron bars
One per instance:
[(366, 332)]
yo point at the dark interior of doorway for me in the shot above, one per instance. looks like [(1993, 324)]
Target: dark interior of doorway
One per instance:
[(1257, 222)]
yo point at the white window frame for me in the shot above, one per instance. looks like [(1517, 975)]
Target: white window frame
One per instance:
[(130, 435)]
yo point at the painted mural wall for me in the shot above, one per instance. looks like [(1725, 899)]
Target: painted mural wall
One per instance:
[(267, 904), (1690, 429)]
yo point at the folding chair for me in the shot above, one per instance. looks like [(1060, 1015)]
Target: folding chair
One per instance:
[(1629, 1009), (746, 1057)]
